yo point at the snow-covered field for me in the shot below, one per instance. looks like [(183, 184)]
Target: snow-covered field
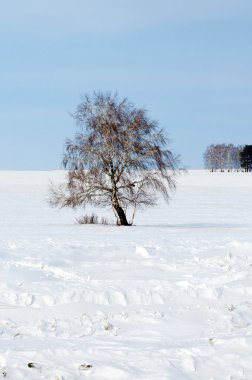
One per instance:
[(167, 299)]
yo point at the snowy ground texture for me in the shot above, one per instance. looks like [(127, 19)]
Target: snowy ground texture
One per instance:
[(167, 299)]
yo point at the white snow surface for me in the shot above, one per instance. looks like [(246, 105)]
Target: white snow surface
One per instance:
[(167, 299)]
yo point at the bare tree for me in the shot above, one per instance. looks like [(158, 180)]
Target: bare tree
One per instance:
[(119, 158), (210, 160), (233, 157)]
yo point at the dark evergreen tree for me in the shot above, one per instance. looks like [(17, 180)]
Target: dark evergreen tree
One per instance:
[(246, 158)]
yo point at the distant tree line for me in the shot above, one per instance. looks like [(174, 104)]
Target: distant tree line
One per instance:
[(228, 157)]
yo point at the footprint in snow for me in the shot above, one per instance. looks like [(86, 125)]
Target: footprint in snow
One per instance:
[(85, 367), (58, 377), (34, 365), (38, 367)]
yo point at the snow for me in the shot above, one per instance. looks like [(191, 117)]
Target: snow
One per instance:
[(167, 299)]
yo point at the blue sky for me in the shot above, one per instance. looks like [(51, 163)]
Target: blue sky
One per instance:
[(188, 62)]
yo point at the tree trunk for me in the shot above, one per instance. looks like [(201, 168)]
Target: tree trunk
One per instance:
[(121, 217), (122, 220)]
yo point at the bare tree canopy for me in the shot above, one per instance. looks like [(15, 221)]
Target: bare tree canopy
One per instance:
[(222, 157), (119, 158)]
